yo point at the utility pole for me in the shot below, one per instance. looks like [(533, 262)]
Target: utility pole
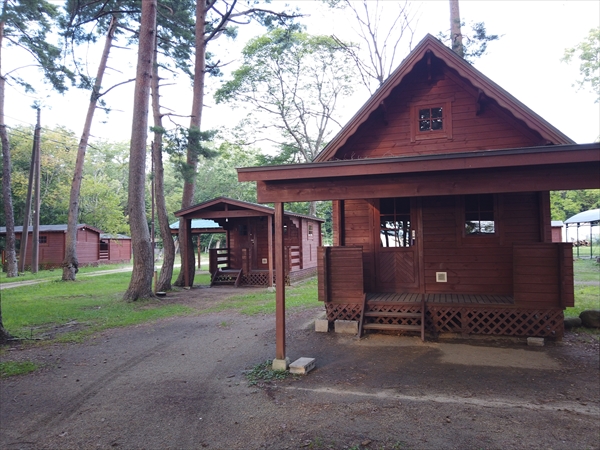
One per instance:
[(35, 244), (27, 213)]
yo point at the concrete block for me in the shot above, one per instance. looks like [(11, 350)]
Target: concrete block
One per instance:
[(321, 325), (302, 366), (346, 326), (535, 342), (281, 364)]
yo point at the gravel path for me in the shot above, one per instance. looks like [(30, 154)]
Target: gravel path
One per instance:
[(179, 383)]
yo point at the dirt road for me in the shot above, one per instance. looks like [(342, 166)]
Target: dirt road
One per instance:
[(180, 384)]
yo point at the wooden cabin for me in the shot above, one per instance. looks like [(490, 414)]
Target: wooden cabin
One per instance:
[(247, 258), (114, 248), (441, 210), (93, 247)]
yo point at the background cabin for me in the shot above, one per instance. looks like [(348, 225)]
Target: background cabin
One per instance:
[(441, 209), (248, 256), (93, 247)]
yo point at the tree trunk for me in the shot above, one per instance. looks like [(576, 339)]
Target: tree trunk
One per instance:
[(455, 31), (143, 258), (166, 272), (189, 186), (10, 251), (70, 263)]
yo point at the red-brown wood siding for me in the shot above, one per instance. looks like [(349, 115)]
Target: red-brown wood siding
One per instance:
[(310, 243), (88, 246), (387, 131), (340, 274), (120, 250), (358, 223), (476, 264), (51, 253), (538, 280)]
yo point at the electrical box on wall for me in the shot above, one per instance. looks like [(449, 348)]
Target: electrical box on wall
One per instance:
[(264, 261), (441, 277)]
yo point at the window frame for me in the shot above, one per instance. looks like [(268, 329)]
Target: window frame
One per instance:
[(496, 236), (445, 133)]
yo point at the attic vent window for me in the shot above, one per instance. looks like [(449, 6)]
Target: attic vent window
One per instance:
[(431, 119)]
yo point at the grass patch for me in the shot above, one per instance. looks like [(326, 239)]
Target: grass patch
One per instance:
[(12, 368), (300, 296), (586, 296), (73, 310), (56, 274), (262, 374)]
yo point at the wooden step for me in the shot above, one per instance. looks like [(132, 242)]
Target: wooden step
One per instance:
[(393, 314), (388, 326)]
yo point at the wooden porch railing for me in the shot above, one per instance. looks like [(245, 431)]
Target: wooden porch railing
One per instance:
[(340, 272), (218, 258), (293, 260)]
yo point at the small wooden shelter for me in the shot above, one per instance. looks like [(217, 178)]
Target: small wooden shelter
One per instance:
[(441, 210), (247, 258), (93, 247)]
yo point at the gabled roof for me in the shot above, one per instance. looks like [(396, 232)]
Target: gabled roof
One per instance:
[(590, 216), (431, 45), (198, 223), (222, 207), (62, 228)]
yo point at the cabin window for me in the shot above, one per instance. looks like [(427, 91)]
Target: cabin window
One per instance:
[(479, 214), (43, 239), (394, 214), (310, 231), (431, 120)]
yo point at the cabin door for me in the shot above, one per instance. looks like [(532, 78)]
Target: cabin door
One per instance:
[(397, 252)]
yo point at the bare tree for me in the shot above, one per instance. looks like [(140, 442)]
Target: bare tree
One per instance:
[(385, 29), (140, 285)]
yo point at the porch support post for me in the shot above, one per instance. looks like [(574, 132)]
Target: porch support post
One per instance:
[(185, 248), (280, 362), (270, 244)]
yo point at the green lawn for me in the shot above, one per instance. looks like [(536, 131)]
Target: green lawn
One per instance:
[(587, 296)]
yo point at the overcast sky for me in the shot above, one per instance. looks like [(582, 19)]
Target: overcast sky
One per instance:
[(525, 62)]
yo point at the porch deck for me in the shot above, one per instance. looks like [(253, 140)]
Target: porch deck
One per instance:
[(466, 299)]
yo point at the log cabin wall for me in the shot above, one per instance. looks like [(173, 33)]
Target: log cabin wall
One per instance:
[(358, 222), (476, 264), (119, 250), (473, 264), (52, 251), (474, 122), (88, 246), (310, 242)]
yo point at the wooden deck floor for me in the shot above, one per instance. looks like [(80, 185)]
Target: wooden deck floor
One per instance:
[(442, 298)]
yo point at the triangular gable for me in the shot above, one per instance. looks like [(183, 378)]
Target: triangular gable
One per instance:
[(222, 207), (429, 48)]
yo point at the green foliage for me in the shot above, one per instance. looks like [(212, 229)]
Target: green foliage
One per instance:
[(217, 177), (588, 53), (290, 83), (181, 142), (103, 196), (262, 374), (475, 43), (565, 204), (27, 25), (12, 368)]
